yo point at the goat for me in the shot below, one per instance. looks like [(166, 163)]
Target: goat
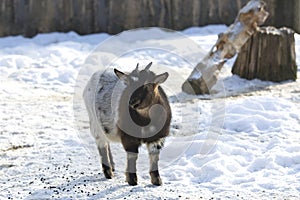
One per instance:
[(132, 109)]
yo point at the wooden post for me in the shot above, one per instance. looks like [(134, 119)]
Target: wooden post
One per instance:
[(268, 55), (205, 74)]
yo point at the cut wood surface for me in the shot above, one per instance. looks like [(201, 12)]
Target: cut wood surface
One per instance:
[(204, 76), (268, 55)]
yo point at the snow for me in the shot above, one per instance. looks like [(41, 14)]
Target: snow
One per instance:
[(241, 143)]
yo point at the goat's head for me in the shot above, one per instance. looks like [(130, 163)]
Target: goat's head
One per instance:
[(142, 86)]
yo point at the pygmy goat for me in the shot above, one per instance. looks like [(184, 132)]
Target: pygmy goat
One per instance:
[(132, 109)]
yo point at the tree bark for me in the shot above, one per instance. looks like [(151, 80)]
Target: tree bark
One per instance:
[(205, 74), (268, 55)]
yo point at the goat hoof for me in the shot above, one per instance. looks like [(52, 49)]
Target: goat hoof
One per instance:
[(108, 173), (155, 178), (156, 181), (131, 178)]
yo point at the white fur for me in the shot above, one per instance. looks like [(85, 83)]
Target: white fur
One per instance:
[(103, 91)]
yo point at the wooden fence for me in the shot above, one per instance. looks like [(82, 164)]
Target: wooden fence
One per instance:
[(29, 17)]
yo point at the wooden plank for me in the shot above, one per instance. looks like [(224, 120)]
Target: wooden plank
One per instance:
[(29, 17)]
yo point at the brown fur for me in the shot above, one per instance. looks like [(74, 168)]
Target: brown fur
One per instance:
[(139, 102)]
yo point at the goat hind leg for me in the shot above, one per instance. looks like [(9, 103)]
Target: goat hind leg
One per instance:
[(106, 165), (103, 148), (112, 163)]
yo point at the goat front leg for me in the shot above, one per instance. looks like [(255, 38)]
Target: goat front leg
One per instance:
[(154, 150), (131, 176), (132, 149)]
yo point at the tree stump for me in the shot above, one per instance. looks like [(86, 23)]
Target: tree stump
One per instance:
[(268, 55), (205, 74)]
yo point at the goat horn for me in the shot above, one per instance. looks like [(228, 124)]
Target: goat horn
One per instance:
[(137, 67), (148, 66)]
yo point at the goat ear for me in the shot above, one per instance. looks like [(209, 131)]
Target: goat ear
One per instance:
[(122, 76), (161, 78)]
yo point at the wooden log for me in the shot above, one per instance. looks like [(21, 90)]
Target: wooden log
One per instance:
[(205, 74), (268, 55)]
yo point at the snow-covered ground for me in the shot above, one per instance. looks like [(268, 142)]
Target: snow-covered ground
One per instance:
[(242, 143)]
